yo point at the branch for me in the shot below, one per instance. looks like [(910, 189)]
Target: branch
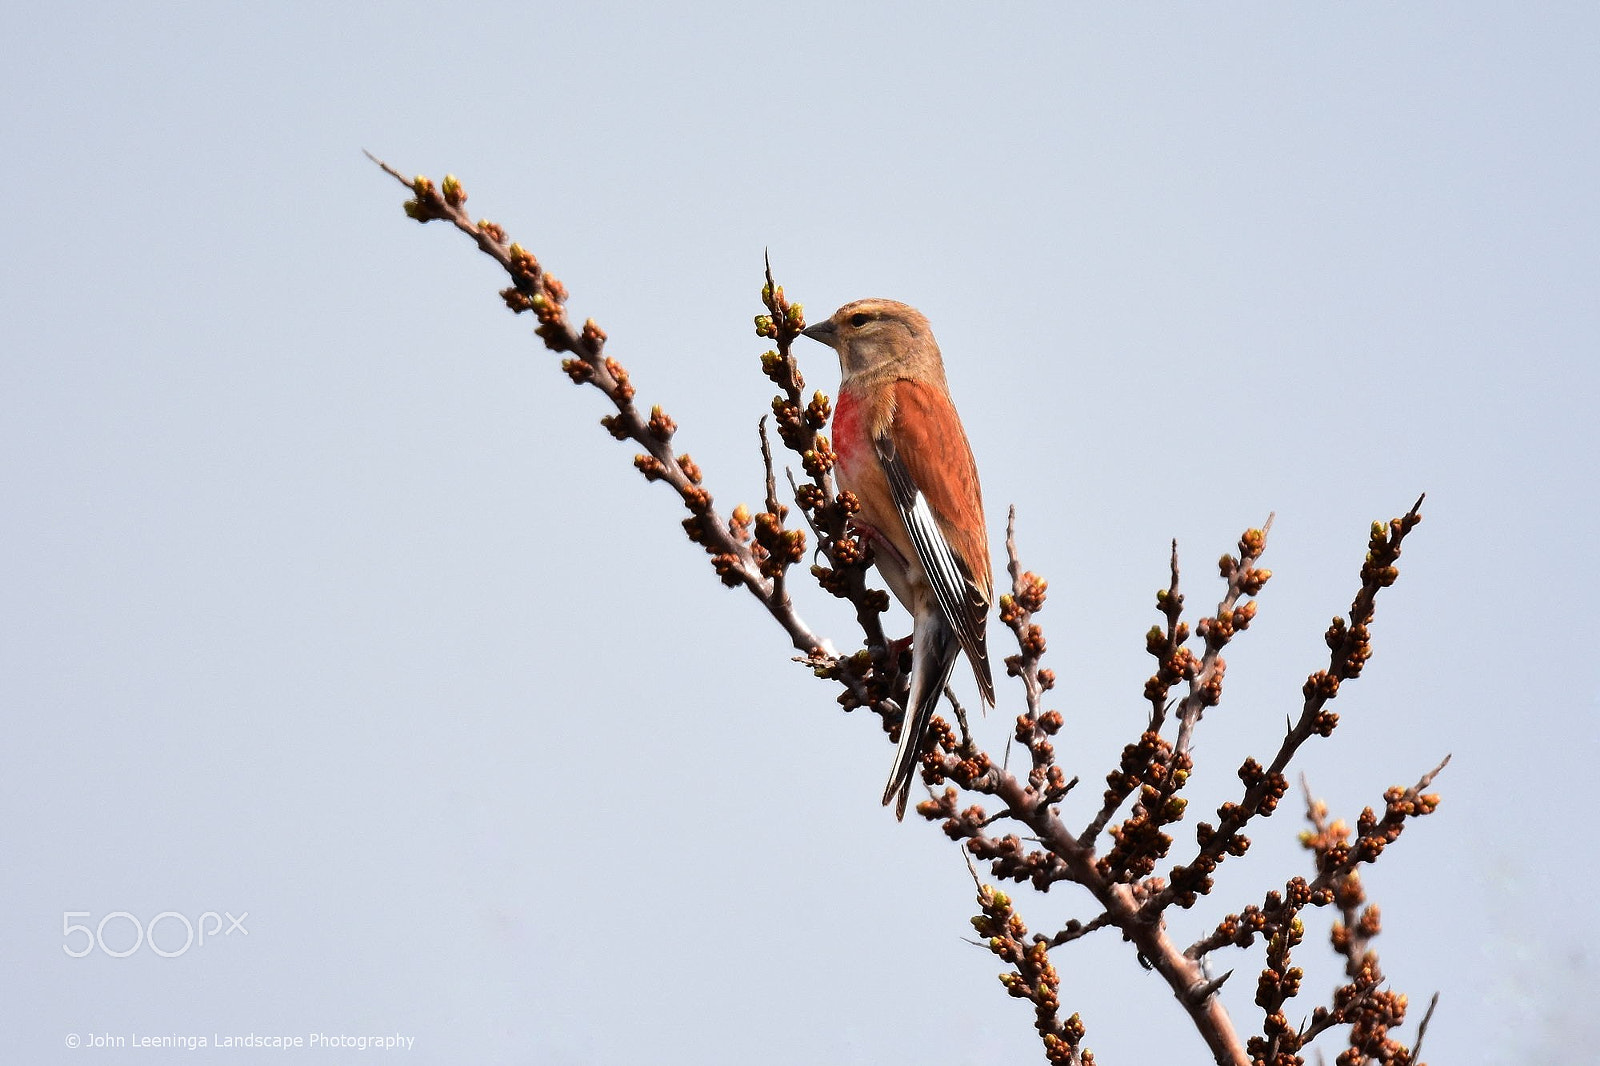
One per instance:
[(1152, 764), (1036, 726), (1244, 579), (755, 551), (533, 289), (1350, 648)]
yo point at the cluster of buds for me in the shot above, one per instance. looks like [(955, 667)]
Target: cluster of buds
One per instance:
[(779, 548), (799, 422), (1167, 644), (1032, 976), (1148, 750), (544, 295), (1036, 726), (1371, 1011), (1250, 579), (1244, 578), (621, 390), (1157, 770), (1278, 983), (783, 320), (661, 425), (1187, 882), (1177, 663), (426, 204), (844, 548), (1350, 642), (854, 672), (1007, 856), (970, 763), (1337, 855), (1140, 841)]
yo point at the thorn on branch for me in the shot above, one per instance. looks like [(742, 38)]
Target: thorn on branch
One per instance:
[(1206, 989)]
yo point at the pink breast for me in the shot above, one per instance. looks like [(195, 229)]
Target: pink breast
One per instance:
[(848, 432)]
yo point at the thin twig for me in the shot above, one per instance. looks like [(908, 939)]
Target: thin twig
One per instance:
[(1422, 1028), (1205, 687), (1076, 930)]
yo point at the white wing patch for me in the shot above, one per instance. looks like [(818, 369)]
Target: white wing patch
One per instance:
[(961, 602), (944, 573)]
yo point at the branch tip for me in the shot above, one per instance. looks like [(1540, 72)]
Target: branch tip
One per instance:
[(1422, 1027)]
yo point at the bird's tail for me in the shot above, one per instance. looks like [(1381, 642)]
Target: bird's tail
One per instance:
[(934, 650)]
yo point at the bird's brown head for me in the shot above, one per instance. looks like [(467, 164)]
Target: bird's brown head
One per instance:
[(880, 338)]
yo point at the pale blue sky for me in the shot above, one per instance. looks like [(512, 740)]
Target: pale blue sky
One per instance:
[(327, 600)]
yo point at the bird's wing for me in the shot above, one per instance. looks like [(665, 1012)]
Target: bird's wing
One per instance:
[(934, 482)]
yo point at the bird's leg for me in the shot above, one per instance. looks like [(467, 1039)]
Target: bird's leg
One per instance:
[(899, 648), (881, 545)]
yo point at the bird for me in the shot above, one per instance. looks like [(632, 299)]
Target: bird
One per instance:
[(901, 450)]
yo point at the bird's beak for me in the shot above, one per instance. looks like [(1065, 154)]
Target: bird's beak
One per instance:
[(825, 331)]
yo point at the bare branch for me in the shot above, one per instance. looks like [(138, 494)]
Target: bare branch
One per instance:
[(1422, 1028)]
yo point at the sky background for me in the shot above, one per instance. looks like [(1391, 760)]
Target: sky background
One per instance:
[(327, 601)]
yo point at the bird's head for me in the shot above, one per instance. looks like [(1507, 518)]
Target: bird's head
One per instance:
[(880, 338)]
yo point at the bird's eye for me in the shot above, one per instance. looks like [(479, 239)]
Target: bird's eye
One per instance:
[(858, 319)]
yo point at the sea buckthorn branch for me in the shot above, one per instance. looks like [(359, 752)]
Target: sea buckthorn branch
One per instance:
[(730, 541), (1244, 579), (872, 677), (1370, 1012), (1135, 906), (1154, 767), (1031, 976), (1035, 726), (1278, 920), (756, 551), (1075, 930), (1057, 855), (1053, 854), (1045, 783), (1350, 647), (1175, 661), (1363, 1003), (1337, 856), (533, 289)]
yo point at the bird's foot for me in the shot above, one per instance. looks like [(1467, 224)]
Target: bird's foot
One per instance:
[(881, 544)]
